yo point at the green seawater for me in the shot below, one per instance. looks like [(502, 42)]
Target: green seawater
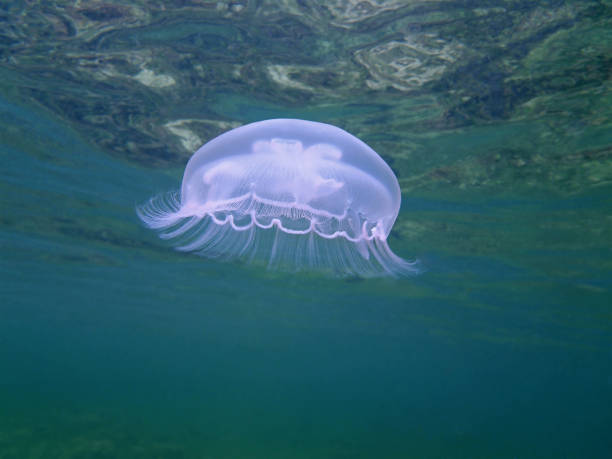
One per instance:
[(112, 345)]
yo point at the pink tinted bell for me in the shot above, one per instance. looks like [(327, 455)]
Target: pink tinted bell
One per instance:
[(296, 194)]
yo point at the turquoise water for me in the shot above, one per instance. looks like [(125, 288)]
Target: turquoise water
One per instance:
[(114, 345)]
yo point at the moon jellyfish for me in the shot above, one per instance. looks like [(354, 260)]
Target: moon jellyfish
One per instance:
[(294, 194)]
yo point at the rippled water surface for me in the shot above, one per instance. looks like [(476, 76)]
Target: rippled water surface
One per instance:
[(497, 119)]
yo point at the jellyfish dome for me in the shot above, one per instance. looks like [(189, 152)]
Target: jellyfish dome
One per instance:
[(294, 194)]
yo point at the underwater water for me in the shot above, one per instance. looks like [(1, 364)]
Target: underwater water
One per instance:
[(496, 119)]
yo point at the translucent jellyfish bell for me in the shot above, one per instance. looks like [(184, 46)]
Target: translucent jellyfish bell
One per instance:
[(296, 194)]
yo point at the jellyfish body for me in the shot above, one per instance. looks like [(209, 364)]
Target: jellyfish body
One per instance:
[(296, 194)]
